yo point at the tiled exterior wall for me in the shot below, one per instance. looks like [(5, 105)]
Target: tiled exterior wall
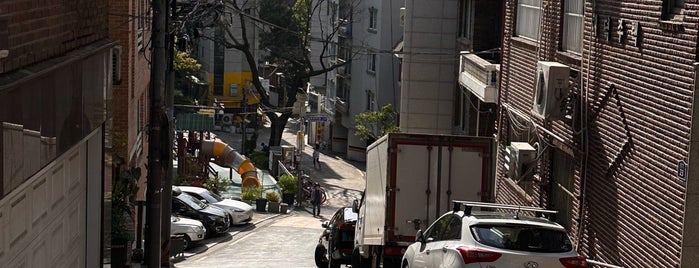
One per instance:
[(639, 100)]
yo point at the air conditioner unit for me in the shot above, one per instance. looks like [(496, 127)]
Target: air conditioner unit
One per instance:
[(116, 65), (519, 156), (551, 88), (227, 119)]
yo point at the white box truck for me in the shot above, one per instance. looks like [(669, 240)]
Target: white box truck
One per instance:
[(411, 180)]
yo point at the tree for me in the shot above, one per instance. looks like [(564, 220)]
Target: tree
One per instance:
[(186, 69), (285, 35), (375, 124)]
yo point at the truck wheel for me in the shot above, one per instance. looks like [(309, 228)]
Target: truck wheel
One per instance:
[(334, 263), (358, 261), (321, 262)]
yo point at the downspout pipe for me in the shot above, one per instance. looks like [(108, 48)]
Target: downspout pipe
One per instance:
[(225, 155)]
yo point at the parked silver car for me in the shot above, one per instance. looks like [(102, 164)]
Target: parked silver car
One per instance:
[(193, 230), (240, 212)]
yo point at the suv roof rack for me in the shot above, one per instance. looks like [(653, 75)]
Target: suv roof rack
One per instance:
[(469, 205)]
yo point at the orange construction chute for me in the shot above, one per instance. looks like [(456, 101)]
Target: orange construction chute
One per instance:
[(226, 156)]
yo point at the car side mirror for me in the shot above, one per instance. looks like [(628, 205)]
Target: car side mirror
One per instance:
[(204, 201), (325, 224), (355, 206), (420, 237)]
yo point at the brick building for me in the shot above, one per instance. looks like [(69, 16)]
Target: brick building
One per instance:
[(55, 89), (612, 143)]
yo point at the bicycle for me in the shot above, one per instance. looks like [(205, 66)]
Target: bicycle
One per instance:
[(307, 186)]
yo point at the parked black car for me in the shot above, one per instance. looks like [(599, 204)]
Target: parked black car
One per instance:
[(336, 243), (214, 219)]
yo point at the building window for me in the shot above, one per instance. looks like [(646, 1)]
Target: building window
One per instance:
[(141, 21), (372, 18), (466, 19), (371, 63), (370, 100), (572, 25), (528, 23), (672, 9)]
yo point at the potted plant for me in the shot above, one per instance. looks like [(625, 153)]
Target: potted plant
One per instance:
[(248, 194), (289, 185), (273, 198), (124, 190)]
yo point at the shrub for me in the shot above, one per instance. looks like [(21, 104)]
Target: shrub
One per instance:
[(250, 193), (215, 184), (272, 197), (288, 183), (260, 160)]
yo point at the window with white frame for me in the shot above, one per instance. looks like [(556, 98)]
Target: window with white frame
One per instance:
[(465, 19), (370, 100), (372, 18), (371, 63), (572, 25), (528, 13), (141, 7)]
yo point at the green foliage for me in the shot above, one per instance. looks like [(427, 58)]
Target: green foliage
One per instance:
[(260, 160), (250, 193), (124, 190), (288, 183), (185, 65), (375, 124), (217, 183), (272, 197)]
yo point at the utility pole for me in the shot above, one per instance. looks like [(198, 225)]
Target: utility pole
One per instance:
[(158, 134), (169, 103), (245, 115)]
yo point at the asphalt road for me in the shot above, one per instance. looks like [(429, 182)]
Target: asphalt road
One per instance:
[(282, 240)]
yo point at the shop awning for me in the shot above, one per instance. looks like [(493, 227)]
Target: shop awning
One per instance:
[(194, 122)]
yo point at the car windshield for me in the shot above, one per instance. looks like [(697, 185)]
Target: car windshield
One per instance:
[(211, 197), (191, 201), (523, 238)]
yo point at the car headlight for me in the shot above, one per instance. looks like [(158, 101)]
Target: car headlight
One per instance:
[(239, 210), (213, 218), (197, 228)]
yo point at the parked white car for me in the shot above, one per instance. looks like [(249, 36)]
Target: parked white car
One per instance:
[(240, 212), (465, 239), (193, 230)]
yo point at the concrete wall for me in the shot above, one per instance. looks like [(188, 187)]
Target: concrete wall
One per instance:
[(429, 71)]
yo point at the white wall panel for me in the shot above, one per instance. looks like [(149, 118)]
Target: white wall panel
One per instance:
[(40, 202), (42, 221), (57, 184), (3, 234)]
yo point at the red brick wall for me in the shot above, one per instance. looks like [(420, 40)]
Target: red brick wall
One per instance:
[(639, 102), (39, 30), (135, 77)]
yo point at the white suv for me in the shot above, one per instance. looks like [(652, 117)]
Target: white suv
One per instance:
[(470, 238)]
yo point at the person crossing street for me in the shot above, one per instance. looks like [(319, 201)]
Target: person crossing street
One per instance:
[(316, 156)]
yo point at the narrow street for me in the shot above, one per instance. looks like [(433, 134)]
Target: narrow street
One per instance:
[(281, 240)]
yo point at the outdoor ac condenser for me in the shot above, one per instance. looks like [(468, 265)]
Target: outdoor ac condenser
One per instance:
[(518, 158), (551, 88)]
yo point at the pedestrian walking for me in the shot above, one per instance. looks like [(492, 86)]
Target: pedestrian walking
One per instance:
[(316, 195), (316, 156)]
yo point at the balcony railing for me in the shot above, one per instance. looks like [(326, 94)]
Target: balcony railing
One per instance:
[(479, 74)]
